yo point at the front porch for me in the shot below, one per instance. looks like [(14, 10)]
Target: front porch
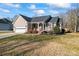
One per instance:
[(36, 27)]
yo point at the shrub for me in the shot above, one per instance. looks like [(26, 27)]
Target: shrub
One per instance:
[(35, 31), (44, 32), (63, 31), (50, 32), (30, 30), (57, 30), (67, 30)]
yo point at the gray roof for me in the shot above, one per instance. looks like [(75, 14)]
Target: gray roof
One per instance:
[(25, 17), (5, 20), (61, 20), (41, 19), (47, 18), (55, 19)]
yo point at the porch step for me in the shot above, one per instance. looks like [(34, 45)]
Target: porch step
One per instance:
[(39, 32)]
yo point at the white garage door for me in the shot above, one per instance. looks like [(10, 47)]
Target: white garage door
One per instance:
[(20, 30)]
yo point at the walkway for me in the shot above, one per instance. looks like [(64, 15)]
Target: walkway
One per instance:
[(4, 35)]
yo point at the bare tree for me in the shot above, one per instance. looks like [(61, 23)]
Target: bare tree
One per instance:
[(72, 19)]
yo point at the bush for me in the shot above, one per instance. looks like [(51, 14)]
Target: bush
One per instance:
[(50, 32), (44, 32), (30, 30), (56, 30), (35, 31), (63, 31)]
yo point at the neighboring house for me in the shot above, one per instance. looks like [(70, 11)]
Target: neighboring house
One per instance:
[(23, 24), (5, 24)]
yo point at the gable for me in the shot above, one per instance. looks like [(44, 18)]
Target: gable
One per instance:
[(28, 19), (56, 20), (53, 20), (20, 22)]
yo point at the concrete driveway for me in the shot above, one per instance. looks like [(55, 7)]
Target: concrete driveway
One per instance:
[(4, 35)]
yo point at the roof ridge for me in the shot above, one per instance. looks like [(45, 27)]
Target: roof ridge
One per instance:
[(5, 20), (41, 16), (23, 15)]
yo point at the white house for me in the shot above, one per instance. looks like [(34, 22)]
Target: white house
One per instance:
[(23, 24)]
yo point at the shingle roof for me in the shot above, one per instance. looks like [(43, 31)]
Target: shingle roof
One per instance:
[(25, 17), (47, 18), (5, 20), (61, 20), (55, 19), (41, 19)]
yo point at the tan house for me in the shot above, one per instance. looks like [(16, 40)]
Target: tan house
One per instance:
[(23, 24)]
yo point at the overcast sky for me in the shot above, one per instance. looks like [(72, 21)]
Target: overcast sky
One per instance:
[(37, 9)]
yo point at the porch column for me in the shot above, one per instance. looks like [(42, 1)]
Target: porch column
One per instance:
[(38, 26), (51, 26), (43, 26), (31, 25)]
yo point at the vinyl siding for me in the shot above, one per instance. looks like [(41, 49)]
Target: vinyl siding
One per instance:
[(20, 23), (4, 26)]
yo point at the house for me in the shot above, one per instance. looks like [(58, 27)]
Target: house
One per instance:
[(5, 24), (23, 24)]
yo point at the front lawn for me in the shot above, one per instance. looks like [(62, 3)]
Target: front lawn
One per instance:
[(23, 44), (3, 32)]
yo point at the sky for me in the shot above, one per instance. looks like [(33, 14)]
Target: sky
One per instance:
[(35, 9)]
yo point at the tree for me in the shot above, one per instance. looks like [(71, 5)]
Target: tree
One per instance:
[(72, 19)]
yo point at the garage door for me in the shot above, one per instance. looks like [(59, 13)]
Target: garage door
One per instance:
[(20, 30)]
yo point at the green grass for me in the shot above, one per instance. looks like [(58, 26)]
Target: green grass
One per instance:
[(30, 37), (67, 44)]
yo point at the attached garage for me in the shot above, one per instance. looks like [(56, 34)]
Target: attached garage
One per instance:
[(20, 24), (20, 30)]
